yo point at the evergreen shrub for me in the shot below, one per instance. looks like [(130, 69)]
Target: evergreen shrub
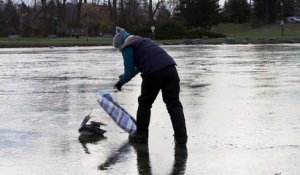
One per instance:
[(198, 33), (170, 30)]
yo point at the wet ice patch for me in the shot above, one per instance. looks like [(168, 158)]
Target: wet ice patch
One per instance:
[(14, 140), (198, 83)]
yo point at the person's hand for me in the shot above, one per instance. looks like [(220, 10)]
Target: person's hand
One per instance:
[(118, 86)]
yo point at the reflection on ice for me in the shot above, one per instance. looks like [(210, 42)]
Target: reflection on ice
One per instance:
[(85, 140), (143, 159)]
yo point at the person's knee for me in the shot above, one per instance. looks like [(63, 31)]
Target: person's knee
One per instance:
[(173, 104), (145, 103)]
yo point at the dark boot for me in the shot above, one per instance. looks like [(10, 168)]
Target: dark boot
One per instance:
[(138, 138), (178, 122), (143, 119)]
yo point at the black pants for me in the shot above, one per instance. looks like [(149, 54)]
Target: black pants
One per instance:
[(166, 80)]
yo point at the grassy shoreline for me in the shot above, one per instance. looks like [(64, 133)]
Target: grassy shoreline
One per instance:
[(53, 42), (236, 34), (27, 42)]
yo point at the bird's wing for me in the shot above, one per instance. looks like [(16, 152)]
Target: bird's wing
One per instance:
[(98, 124), (100, 131)]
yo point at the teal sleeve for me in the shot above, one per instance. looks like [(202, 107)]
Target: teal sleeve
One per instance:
[(129, 68)]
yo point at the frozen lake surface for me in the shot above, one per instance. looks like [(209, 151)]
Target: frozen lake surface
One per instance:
[(241, 104)]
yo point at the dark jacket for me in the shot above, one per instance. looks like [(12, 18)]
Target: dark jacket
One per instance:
[(142, 55), (148, 56)]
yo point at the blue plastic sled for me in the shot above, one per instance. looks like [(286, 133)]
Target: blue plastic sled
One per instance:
[(121, 117)]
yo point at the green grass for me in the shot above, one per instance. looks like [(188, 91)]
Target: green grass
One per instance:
[(239, 31), (56, 42), (236, 34)]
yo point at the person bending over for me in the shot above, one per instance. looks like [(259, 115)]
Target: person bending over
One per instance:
[(158, 72)]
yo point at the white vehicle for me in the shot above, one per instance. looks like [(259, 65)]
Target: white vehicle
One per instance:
[(293, 19)]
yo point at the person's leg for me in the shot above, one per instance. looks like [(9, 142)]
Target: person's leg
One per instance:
[(149, 90), (170, 93)]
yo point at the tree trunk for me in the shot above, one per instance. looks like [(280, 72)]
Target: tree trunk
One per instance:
[(78, 13), (44, 9), (114, 13), (160, 2), (110, 9), (122, 13), (150, 11), (267, 17)]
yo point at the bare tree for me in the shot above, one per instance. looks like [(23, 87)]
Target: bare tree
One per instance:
[(61, 6), (45, 16), (122, 12), (112, 11), (152, 11), (79, 4), (157, 6), (172, 5)]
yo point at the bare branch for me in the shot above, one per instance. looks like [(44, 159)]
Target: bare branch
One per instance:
[(159, 3)]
